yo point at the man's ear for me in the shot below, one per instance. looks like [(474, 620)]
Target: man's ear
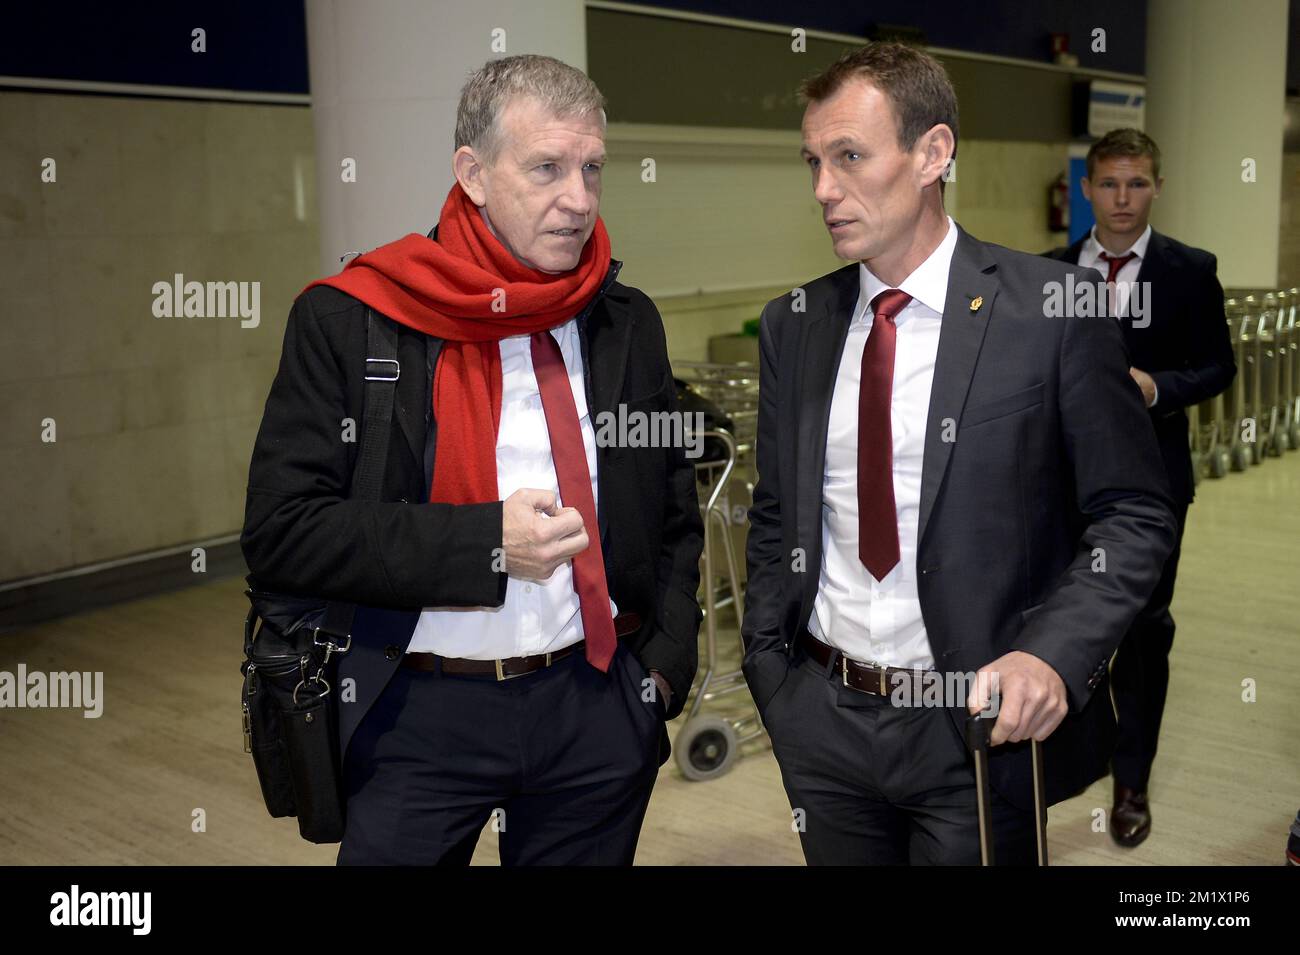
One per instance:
[(1159, 183), (469, 171), (937, 147), (1087, 188)]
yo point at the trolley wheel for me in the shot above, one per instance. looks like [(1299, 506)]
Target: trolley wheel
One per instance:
[(1294, 434), (1281, 443), (706, 748), (1256, 451), (1220, 463), (1240, 458)]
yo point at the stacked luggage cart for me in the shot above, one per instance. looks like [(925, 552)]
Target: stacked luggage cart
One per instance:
[(1259, 415), (710, 740)]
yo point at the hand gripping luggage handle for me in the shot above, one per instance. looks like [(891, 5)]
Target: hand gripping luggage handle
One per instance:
[(979, 728)]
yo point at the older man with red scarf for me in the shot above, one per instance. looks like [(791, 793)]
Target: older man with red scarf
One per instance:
[(527, 615)]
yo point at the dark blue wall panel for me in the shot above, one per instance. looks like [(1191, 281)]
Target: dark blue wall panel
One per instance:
[(262, 46), (251, 47)]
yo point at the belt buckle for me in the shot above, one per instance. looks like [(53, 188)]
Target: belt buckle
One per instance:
[(844, 668), (502, 675)]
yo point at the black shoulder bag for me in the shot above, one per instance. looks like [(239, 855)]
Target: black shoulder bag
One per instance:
[(289, 697)]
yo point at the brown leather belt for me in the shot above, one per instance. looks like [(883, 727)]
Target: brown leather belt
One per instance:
[(878, 681), (508, 667)]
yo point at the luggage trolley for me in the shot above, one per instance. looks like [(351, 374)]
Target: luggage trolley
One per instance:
[(1275, 439), (1206, 435), (1239, 397), (1251, 367), (1203, 439), (1209, 424), (1288, 348), (708, 744)]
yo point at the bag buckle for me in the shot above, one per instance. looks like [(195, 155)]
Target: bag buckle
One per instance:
[(318, 678), (324, 691), (376, 370), (329, 645)]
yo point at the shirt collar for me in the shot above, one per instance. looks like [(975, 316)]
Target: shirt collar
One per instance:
[(927, 284), (1139, 248)]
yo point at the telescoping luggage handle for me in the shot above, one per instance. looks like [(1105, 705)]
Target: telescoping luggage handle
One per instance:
[(979, 727)]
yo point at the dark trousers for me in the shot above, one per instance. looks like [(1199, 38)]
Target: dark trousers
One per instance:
[(872, 783), (562, 760), (1139, 676)]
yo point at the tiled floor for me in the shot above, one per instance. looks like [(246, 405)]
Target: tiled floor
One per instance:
[(128, 787)]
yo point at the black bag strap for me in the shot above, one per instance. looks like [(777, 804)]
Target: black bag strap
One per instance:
[(382, 372)]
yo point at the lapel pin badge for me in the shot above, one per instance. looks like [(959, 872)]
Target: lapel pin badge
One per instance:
[(976, 302)]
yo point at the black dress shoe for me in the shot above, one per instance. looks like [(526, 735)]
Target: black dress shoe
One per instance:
[(1130, 817)]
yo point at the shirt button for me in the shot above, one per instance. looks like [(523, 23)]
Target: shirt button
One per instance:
[(528, 588)]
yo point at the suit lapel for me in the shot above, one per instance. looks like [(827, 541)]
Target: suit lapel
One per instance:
[(1153, 260), (1073, 252), (971, 276), (820, 349), (1150, 269), (609, 335), (606, 337)]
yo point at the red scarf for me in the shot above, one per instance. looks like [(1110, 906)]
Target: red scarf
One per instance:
[(447, 288)]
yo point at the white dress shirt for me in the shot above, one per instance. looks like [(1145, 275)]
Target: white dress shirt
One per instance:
[(868, 620), (1090, 257), (537, 616)]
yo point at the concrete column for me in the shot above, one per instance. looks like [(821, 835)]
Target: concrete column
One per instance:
[(1215, 99)]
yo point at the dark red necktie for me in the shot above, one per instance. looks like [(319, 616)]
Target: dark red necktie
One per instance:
[(1113, 265), (877, 515), (570, 456)]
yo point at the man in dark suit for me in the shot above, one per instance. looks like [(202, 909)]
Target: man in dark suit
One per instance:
[(527, 581), (954, 480), (1170, 307)]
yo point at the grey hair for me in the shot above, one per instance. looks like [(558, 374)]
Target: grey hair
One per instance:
[(564, 90)]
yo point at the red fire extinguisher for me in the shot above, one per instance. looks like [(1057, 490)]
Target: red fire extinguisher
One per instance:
[(1058, 204)]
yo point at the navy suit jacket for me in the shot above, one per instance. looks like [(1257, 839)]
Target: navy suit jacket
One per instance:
[(1184, 344), (1054, 462)]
